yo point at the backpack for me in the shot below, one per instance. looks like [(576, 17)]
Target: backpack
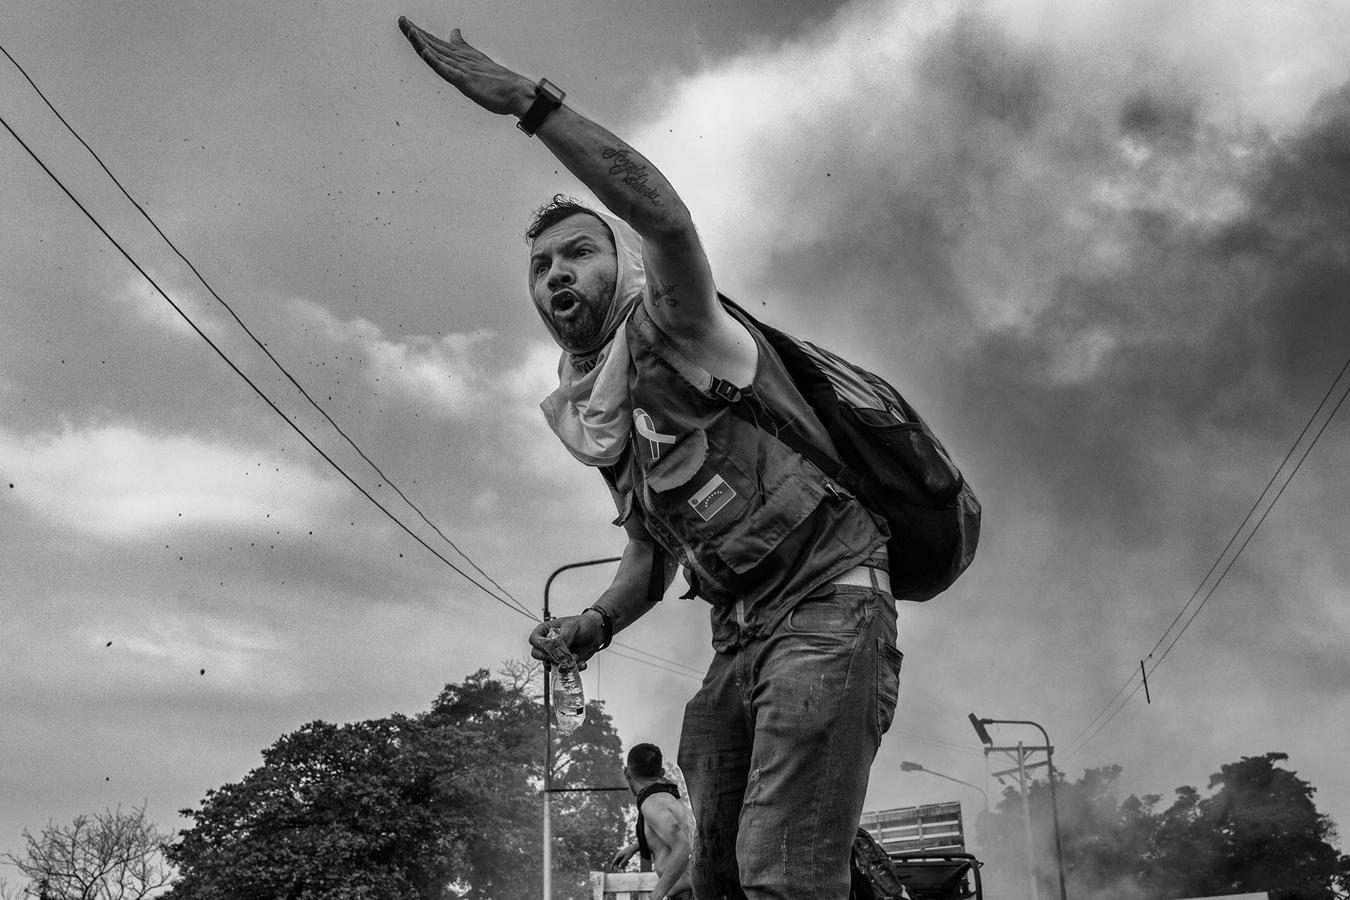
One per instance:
[(891, 461), (872, 875)]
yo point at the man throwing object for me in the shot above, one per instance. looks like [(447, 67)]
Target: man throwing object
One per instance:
[(777, 743)]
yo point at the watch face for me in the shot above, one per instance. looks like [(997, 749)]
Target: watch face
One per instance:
[(548, 90)]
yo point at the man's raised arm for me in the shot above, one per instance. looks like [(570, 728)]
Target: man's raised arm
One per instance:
[(680, 283)]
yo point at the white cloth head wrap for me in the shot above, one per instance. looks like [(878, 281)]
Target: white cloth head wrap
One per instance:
[(589, 410)]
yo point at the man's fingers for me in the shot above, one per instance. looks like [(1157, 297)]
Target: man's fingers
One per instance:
[(440, 66), (456, 44), (423, 38), (436, 53)]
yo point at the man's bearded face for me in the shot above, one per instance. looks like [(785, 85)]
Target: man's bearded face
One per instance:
[(573, 269)]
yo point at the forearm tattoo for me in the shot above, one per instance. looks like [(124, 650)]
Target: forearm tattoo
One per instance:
[(634, 174)]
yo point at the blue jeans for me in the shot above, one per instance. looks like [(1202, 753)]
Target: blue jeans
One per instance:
[(778, 743)]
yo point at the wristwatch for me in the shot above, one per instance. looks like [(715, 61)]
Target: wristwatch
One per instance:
[(547, 97)]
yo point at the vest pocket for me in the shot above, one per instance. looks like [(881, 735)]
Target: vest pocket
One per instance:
[(785, 506), (681, 464), (697, 489), (702, 493)]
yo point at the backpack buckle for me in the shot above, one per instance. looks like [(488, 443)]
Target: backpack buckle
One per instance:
[(720, 387)]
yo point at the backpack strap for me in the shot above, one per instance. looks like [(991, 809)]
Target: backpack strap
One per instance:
[(756, 414), (699, 378), (656, 576)]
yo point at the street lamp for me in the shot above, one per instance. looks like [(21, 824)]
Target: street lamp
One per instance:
[(988, 741), (549, 789), (918, 767)]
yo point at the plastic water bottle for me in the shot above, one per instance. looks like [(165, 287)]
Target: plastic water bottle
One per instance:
[(569, 699)]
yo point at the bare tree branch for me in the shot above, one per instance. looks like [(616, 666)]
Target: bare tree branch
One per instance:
[(113, 855)]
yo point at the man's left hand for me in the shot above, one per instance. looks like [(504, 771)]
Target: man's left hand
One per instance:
[(493, 87)]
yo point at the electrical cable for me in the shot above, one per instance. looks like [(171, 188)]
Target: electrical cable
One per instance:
[(1257, 503), (146, 275), (696, 673), (510, 602), (687, 672), (619, 653), (1227, 568), (1252, 533), (944, 745), (262, 346)]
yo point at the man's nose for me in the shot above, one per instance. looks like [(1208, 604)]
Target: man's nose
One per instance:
[(559, 276)]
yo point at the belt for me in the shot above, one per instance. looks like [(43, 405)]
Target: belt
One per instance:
[(865, 576)]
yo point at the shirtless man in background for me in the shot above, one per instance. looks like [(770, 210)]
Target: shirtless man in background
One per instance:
[(665, 826)]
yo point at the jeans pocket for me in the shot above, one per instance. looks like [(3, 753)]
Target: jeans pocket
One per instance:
[(835, 612), (889, 659)]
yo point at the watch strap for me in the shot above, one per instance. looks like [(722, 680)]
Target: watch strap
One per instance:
[(547, 97)]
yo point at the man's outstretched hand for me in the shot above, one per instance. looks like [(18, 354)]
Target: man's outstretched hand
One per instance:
[(493, 87)]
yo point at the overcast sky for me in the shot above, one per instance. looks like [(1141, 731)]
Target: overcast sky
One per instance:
[(1102, 246)]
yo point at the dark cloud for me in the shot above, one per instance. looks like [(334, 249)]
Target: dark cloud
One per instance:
[(1296, 235), (985, 74), (1167, 123)]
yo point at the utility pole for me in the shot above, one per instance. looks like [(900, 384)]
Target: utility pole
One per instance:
[(548, 734), (1026, 819), (1022, 754)]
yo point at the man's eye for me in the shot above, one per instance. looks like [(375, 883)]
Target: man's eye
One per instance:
[(582, 251)]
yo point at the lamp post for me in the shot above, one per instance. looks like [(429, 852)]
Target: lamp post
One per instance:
[(918, 767), (979, 725), (549, 790)]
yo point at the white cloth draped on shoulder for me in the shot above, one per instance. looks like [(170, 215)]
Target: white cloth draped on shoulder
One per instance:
[(589, 410)]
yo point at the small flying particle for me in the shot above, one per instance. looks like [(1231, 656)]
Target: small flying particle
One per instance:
[(202, 672), (109, 644)]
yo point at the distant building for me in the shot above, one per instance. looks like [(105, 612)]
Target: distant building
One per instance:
[(935, 827)]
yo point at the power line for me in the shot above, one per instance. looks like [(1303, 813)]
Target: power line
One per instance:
[(514, 604), (1276, 499), (250, 333), (944, 745), (673, 662), (1257, 503), (683, 671), (1141, 675), (52, 175), (510, 602)]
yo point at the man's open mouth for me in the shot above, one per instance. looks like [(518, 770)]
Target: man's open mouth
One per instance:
[(563, 302)]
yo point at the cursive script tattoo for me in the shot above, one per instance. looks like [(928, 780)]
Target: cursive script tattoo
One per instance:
[(634, 174), (664, 294)]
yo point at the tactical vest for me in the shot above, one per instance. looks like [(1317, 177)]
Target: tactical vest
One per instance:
[(756, 525)]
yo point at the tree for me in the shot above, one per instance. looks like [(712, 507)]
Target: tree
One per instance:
[(1258, 831), (1103, 838), (334, 811), (110, 855), (444, 804)]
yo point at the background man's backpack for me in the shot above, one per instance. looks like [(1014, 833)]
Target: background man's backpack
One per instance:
[(891, 460), (873, 876)]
